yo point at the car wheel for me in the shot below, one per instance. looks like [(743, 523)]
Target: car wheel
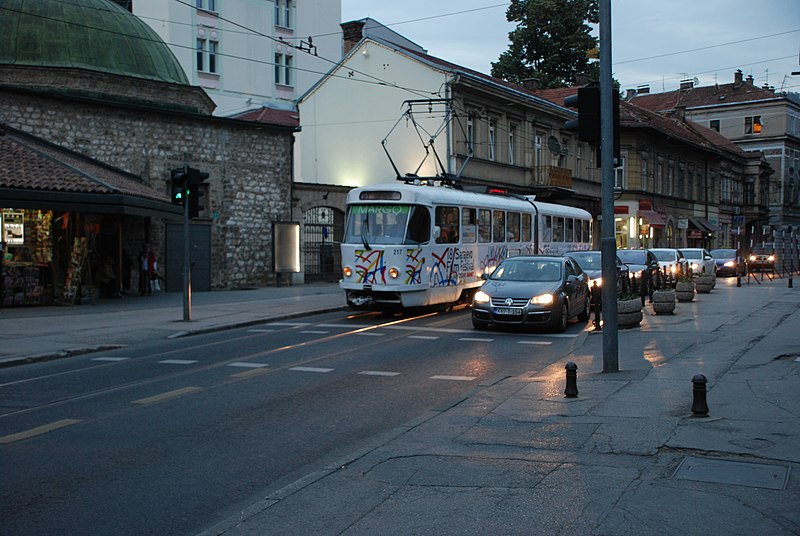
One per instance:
[(583, 316), (561, 320), (477, 324)]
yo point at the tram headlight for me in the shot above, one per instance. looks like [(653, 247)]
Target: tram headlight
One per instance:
[(542, 299), (347, 271), (394, 272), (771, 258), (481, 297)]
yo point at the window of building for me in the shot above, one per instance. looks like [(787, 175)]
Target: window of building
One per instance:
[(645, 174), (470, 135), (714, 124), (492, 126), (207, 55), (512, 132), (206, 5), (752, 124), (619, 174), (283, 69), (283, 13)]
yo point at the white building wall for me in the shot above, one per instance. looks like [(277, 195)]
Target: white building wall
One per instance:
[(345, 118), (247, 37)]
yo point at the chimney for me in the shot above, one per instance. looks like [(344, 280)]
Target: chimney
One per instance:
[(352, 32), (531, 84), (679, 113), (749, 80), (687, 84), (643, 90), (630, 94), (737, 78)]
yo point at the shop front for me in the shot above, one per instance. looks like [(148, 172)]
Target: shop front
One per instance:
[(637, 226)]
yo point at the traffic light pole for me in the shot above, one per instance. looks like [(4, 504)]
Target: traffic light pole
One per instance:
[(187, 270), (608, 245)]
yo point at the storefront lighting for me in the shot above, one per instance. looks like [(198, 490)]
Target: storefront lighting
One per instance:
[(632, 227)]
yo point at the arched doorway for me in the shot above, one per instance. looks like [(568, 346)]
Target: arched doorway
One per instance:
[(323, 228)]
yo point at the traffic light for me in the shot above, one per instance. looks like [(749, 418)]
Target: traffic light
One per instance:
[(194, 178), (587, 101), (178, 182)]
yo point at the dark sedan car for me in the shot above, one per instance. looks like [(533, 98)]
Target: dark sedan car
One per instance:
[(532, 290), (591, 263), (643, 265), (729, 262)]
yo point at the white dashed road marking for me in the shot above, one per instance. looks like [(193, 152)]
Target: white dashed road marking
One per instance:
[(315, 332), (423, 337), (378, 373), (370, 334), (260, 330), (247, 365), (454, 378), (177, 362), (542, 343), (311, 369), (113, 359), (475, 339)]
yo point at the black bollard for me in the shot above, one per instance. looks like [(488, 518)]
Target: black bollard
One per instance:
[(596, 297), (572, 381), (699, 405), (738, 280), (790, 282)]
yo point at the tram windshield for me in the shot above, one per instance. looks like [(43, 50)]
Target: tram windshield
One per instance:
[(388, 225)]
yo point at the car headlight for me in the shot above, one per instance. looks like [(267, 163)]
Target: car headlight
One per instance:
[(638, 273), (481, 297), (673, 268), (771, 258), (695, 266), (542, 299), (752, 258), (729, 264)]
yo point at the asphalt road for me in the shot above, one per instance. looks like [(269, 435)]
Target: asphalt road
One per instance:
[(166, 437)]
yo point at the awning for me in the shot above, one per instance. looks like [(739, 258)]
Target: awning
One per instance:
[(653, 218), (702, 224)]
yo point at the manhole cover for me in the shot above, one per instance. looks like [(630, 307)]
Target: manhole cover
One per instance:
[(756, 475)]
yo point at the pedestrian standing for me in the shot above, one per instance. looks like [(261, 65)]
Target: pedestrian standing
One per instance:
[(143, 262)]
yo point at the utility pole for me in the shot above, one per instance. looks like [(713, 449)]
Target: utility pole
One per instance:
[(608, 245)]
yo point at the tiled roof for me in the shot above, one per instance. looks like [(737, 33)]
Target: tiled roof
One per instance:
[(704, 96), (32, 165), (633, 116), (272, 116)]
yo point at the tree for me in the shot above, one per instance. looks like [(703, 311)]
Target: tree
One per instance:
[(551, 42)]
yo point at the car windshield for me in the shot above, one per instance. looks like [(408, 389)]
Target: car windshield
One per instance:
[(664, 254), (631, 256), (587, 260), (723, 253), (528, 270), (692, 253)]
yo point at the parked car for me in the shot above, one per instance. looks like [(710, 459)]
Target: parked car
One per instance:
[(762, 258), (644, 266), (530, 290), (729, 262), (591, 264), (671, 260), (700, 260)]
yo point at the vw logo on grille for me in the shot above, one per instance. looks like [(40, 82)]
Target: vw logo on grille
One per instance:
[(509, 301)]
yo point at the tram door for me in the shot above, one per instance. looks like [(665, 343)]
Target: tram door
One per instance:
[(323, 228)]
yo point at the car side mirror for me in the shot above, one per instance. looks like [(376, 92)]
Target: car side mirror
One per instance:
[(484, 276)]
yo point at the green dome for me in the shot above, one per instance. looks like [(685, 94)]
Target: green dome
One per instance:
[(96, 35)]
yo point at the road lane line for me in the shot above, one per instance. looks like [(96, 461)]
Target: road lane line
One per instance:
[(454, 378), (475, 339), (311, 369), (178, 362), (39, 430), (247, 365), (169, 395), (423, 337), (110, 359), (250, 372), (315, 332), (378, 373), (260, 330), (370, 334), (543, 343), (289, 324)]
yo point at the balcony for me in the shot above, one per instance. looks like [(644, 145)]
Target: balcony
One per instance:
[(552, 176)]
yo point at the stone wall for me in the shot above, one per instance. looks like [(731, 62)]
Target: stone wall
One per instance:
[(250, 168)]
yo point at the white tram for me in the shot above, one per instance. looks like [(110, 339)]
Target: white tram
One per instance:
[(408, 245)]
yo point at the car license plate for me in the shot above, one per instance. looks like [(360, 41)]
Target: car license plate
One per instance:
[(507, 311)]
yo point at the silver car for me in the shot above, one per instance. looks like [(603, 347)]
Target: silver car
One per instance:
[(533, 290)]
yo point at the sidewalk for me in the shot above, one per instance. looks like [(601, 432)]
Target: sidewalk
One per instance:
[(626, 457), (514, 456), (39, 333)]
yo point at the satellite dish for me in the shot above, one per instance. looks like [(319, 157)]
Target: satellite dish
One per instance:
[(696, 82), (554, 145)]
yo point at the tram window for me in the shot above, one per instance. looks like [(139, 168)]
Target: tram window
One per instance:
[(513, 226), (547, 234), (570, 229), (558, 229), (447, 220), (526, 227), (578, 230), (468, 225), (484, 225), (587, 231), (499, 226), (419, 226)]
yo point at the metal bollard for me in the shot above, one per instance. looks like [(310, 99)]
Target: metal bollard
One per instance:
[(572, 381), (791, 285), (596, 297), (699, 405), (738, 280)]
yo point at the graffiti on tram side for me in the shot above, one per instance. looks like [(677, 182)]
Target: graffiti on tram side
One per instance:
[(493, 256), (452, 267), (414, 262), (370, 266)]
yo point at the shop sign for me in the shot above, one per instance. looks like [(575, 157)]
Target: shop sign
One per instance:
[(13, 228), (683, 223), (694, 233)]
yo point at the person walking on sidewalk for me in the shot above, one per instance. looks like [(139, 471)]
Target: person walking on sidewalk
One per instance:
[(147, 269)]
